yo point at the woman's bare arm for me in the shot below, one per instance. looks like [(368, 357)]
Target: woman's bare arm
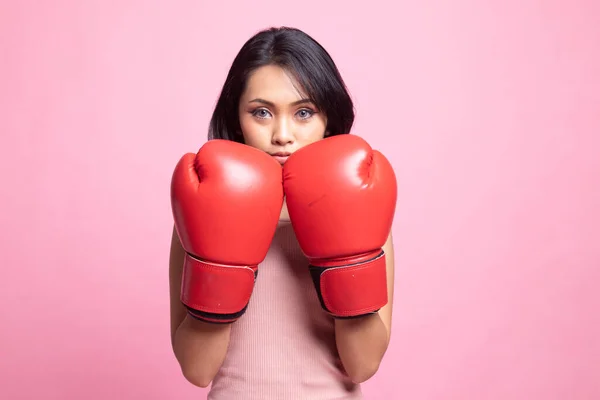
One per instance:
[(199, 347), (362, 342)]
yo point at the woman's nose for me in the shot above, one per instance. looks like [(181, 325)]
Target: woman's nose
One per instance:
[(283, 133)]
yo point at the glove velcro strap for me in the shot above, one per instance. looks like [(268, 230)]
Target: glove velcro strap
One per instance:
[(214, 292), (352, 290)]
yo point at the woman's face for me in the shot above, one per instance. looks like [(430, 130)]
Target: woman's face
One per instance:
[(276, 116)]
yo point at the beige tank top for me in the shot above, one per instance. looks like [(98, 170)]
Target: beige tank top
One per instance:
[(283, 347)]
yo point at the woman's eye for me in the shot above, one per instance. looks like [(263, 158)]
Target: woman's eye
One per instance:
[(305, 113), (261, 113)]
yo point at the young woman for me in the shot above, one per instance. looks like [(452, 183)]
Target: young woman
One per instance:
[(283, 93)]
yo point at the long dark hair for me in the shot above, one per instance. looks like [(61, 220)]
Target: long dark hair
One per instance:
[(300, 55)]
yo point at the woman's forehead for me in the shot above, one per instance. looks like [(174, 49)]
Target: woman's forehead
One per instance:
[(273, 84)]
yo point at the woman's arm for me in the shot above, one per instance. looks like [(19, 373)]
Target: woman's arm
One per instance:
[(362, 342), (199, 347)]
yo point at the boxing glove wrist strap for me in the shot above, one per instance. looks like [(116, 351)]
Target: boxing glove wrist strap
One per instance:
[(216, 293), (352, 290)]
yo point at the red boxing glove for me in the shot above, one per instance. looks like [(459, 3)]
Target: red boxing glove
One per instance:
[(341, 197), (226, 202)]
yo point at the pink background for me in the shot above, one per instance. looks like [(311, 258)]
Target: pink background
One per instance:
[(489, 111)]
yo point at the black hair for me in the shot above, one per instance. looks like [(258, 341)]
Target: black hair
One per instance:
[(307, 61)]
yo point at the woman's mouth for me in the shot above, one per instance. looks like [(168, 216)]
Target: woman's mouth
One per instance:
[(281, 157)]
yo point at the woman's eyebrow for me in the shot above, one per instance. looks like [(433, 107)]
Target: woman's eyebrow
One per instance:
[(269, 103)]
